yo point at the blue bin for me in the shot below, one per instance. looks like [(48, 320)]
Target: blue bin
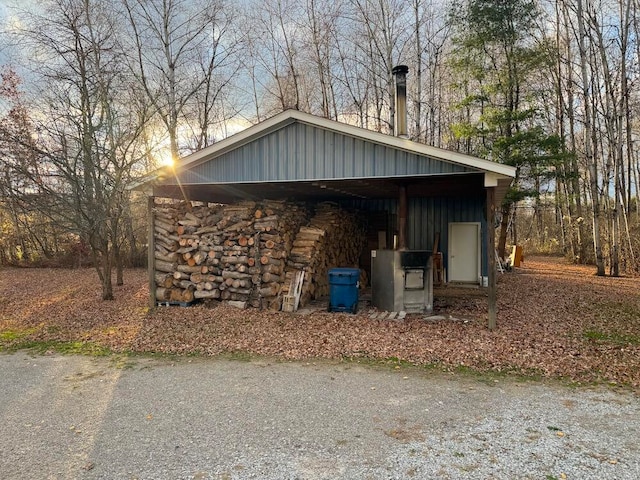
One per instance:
[(343, 289)]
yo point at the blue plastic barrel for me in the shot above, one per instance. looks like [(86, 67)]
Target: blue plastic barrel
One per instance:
[(343, 289)]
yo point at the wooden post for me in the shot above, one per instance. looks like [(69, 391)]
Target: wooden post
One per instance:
[(491, 256), (151, 247), (402, 218)]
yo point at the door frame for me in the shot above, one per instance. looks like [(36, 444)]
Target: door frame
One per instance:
[(478, 280)]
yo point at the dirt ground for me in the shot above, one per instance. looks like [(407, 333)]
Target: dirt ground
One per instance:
[(554, 320)]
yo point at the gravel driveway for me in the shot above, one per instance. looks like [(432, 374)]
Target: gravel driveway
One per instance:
[(120, 418)]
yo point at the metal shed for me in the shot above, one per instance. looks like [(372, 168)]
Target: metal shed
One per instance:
[(418, 190)]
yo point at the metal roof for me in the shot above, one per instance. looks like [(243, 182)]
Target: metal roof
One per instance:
[(295, 154)]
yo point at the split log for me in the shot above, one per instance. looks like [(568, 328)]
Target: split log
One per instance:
[(235, 260), (189, 223), (169, 257), (208, 229), (241, 305), (192, 269), (266, 225), (181, 275), (199, 257), (239, 226), (305, 243), (206, 294), (269, 290), (164, 280), (188, 296), (273, 253), (240, 291), (275, 238), (234, 275), (168, 267), (166, 226), (271, 277), (199, 277), (273, 268), (163, 294), (267, 260), (185, 284)]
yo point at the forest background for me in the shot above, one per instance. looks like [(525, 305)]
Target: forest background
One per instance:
[(96, 95)]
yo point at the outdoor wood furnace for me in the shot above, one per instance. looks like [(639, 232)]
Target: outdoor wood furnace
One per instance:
[(402, 280)]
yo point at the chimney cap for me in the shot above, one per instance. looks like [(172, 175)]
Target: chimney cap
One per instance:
[(402, 69)]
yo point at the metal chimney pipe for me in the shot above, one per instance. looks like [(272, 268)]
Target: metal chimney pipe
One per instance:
[(400, 123)]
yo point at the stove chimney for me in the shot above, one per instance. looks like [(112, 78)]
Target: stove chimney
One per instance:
[(400, 123)]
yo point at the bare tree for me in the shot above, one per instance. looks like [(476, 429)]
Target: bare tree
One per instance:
[(86, 138), (184, 58), (279, 66), (381, 28)]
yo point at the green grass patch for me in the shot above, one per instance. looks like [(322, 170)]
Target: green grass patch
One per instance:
[(612, 337), (65, 348), (490, 374), (12, 335)]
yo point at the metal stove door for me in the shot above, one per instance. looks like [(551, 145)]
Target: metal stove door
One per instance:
[(414, 279)]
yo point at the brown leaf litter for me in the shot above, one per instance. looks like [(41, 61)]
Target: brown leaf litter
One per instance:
[(554, 320)]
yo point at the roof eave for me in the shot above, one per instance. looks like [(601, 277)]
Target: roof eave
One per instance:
[(290, 116)]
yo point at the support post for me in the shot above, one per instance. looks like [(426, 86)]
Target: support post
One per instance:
[(491, 256), (151, 248), (402, 218)]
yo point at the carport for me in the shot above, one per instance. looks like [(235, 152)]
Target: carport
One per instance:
[(410, 191)]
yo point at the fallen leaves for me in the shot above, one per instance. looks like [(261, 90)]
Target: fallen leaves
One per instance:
[(554, 320)]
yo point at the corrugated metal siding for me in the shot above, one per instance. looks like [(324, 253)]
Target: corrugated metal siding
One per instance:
[(304, 152), (426, 216)]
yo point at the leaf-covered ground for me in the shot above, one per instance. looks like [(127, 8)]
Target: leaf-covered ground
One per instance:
[(554, 320)]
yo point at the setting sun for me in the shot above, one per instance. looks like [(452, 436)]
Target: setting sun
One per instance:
[(166, 159)]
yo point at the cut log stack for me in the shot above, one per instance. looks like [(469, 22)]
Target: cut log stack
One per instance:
[(181, 252), (235, 253), (333, 238)]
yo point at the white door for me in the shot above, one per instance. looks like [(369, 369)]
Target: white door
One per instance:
[(464, 252)]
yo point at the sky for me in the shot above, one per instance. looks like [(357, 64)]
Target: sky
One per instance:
[(5, 17)]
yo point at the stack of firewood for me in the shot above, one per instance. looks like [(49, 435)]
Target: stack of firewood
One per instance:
[(180, 251), (234, 252), (332, 239), (275, 229)]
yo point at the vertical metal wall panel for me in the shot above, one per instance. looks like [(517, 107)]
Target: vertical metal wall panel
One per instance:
[(303, 152), (309, 158), (429, 215)]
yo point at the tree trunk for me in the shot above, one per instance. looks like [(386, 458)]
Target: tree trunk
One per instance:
[(588, 143), (504, 226)]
